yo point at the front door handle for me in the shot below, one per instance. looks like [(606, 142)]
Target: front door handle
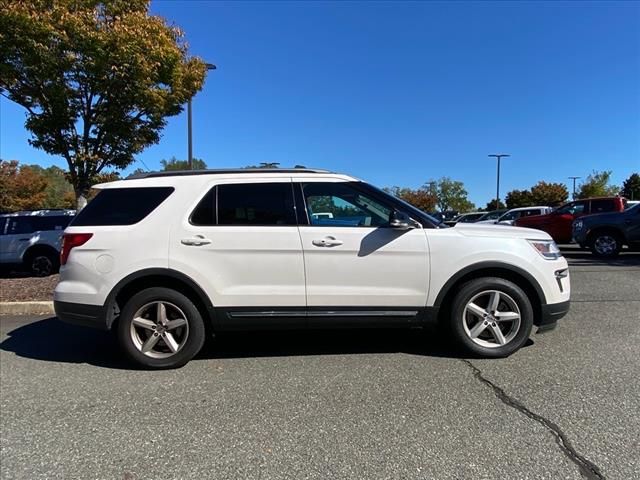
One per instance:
[(196, 241), (327, 241)]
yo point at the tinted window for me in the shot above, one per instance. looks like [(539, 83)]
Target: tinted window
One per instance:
[(205, 213), (339, 204), (20, 226), (51, 222), (572, 209), (121, 206), (256, 204), (605, 205)]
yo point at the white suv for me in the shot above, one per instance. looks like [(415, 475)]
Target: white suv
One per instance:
[(168, 258)]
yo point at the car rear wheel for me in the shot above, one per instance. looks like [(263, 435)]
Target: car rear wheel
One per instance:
[(491, 317), (42, 264), (160, 328), (605, 244)]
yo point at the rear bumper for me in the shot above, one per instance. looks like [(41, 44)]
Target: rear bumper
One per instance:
[(81, 314), (551, 313)]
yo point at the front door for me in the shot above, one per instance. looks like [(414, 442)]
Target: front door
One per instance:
[(358, 268)]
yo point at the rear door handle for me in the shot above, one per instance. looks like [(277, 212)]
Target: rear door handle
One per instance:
[(196, 241), (327, 241)]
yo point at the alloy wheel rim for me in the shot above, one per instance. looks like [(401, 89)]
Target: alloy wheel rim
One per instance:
[(41, 266), (159, 329), (605, 244), (491, 319)]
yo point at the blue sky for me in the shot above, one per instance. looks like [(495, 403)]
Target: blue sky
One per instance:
[(401, 93)]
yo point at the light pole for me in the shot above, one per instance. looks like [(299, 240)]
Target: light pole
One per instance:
[(210, 66), (574, 186), (499, 157)]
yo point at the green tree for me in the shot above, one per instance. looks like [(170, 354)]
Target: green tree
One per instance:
[(268, 165), (518, 198), (450, 195), (21, 187), (420, 198), (97, 78), (59, 192), (550, 194), (174, 164), (631, 187), (492, 205), (597, 185)]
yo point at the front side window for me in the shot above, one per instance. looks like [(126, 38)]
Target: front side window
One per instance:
[(572, 209), (510, 216), (341, 205), (255, 204)]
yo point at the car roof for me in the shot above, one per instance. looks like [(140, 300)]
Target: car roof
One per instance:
[(528, 208), (223, 171), (41, 213), (198, 177)]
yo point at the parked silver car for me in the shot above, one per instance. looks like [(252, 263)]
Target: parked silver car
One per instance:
[(32, 239)]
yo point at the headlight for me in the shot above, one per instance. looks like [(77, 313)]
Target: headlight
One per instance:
[(578, 224), (547, 248)]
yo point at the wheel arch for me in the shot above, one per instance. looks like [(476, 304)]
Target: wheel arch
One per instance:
[(39, 248), (517, 275), (157, 277)]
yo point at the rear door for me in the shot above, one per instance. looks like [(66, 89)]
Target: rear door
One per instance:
[(359, 270), (240, 242)]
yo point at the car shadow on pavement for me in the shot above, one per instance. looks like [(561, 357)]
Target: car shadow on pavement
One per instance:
[(51, 340)]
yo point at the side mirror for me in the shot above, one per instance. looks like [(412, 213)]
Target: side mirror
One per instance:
[(400, 220)]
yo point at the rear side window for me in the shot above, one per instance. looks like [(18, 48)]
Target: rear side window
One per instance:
[(255, 204), (121, 206), (51, 222), (604, 205), (20, 226)]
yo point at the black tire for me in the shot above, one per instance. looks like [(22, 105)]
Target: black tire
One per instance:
[(194, 337), (517, 331), (605, 244), (42, 264)]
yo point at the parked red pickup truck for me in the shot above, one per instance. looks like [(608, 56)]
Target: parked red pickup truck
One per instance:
[(558, 222)]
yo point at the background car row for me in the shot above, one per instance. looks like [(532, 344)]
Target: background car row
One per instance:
[(31, 240)]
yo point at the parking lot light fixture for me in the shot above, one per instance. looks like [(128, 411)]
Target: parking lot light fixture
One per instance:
[(210, 66), (574, 186), (499, 156)]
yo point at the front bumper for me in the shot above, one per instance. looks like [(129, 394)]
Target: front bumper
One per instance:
[(81, 314), (551, 313)]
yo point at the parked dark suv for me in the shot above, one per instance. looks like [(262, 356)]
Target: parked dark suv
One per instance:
[(606, 233), (558, 222)]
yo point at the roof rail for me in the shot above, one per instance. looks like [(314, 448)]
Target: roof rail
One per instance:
[(221, 171)]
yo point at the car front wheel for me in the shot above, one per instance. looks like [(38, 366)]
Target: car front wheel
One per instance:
[(160, 328), (491, 317)]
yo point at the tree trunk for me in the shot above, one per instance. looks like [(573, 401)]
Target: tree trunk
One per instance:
[(81, 198)]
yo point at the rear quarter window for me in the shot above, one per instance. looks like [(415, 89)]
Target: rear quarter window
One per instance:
[(121, 206), (604, 205)]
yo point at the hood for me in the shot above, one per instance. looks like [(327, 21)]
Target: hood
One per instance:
[(500, 231)]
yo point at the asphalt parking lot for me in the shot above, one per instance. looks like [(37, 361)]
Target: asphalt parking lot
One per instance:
[(375, 404)]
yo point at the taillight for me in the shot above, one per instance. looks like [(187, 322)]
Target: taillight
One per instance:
[(70, 240)]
